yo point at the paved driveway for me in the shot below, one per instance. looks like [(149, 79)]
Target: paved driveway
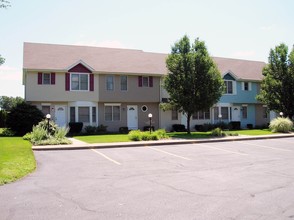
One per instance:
[(229, 180)]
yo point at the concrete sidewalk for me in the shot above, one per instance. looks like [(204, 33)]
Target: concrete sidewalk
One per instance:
[(78, 145)]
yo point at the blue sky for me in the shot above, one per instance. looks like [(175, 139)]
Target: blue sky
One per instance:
[(245, 29)]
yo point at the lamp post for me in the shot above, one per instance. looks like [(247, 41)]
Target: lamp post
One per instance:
[(281, 114), (150, 119), (48, 116), (220, 117)]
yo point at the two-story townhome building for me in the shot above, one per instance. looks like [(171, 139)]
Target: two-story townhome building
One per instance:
[(120, 87), (113, 87), (238, 103)]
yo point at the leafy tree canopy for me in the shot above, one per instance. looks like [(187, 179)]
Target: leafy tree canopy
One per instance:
[(4, 4), (7, 103), (277, 87), (22, 117), (2, 60), (194, 82)]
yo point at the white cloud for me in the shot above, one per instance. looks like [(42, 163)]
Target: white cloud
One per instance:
[(11, 81), (107, 43), (267, 28)]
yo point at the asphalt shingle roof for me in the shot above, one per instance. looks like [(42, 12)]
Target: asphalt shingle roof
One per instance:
[(55, 57)]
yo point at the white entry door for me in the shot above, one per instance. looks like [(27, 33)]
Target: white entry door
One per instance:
[(60, 115), (236, 113), (132, 117)]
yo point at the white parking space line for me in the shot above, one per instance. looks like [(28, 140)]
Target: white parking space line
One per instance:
[(273, 148), (165, 152), (228, 151), (106, 157)]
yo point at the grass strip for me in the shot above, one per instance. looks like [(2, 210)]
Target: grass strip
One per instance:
[(16, 159)]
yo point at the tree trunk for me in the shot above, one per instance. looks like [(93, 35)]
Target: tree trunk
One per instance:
[(188, 123)]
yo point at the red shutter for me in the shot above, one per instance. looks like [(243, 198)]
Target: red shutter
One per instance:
[(140, 80), (150, 81), (91, 82), (40, 80), (67, 78), (53, 78)]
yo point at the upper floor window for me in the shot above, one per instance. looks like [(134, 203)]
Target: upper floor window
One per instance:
[(110, 83), (80, 82), (46, 78), (123, 83), (145, 81), (246, 86), (229, 87)]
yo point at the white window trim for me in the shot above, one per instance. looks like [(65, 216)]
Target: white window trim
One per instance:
[(83, 104), (74, 90), (249, 86), (127, 83), (147, 81), (234, 87), (113, 105)]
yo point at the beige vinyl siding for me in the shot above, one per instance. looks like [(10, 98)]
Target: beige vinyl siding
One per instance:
[(35, 92), (134, 93)]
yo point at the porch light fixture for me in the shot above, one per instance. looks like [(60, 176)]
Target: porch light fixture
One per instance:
[(48, 117), (150, 119), (281, 114), (220, 117)]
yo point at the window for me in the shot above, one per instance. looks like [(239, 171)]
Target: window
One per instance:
[(144, 108), (112, 113), (123, 83), (79, 82), (145, 81), (246, 86), (94, 114), (109, 83), (229, 87), (225, 112), (72, 112), (265, 112), (46, 78), (201, 115), (244, 112), (174, 113), (45, 109), (84, 114)]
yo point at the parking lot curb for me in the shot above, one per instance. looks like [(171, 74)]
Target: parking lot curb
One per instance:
[(156, 143)]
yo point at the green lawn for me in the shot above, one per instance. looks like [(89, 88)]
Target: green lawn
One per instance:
[(16, 159), (253, 132), (193, 135), (106, 138)]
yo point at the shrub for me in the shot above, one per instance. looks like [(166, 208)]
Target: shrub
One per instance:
[(250, 126), (161, 134), (23, 117), (41, 136), (146, 136), (3, 118), (217, 132), (135, 135), (75, 127), (179, 127), (281, 125), (90, 130), (235, 125), (123, 130), (101, 129), (7, 132)]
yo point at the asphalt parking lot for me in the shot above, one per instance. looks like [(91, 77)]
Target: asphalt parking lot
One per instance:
[(226, 180)]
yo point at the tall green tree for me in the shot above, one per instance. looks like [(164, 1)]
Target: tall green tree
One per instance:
[(194, 82), (4, 4), (7, 103), (277, 87), (2, 60)]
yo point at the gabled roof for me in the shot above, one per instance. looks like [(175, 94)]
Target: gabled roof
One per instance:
[(60, 57)]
